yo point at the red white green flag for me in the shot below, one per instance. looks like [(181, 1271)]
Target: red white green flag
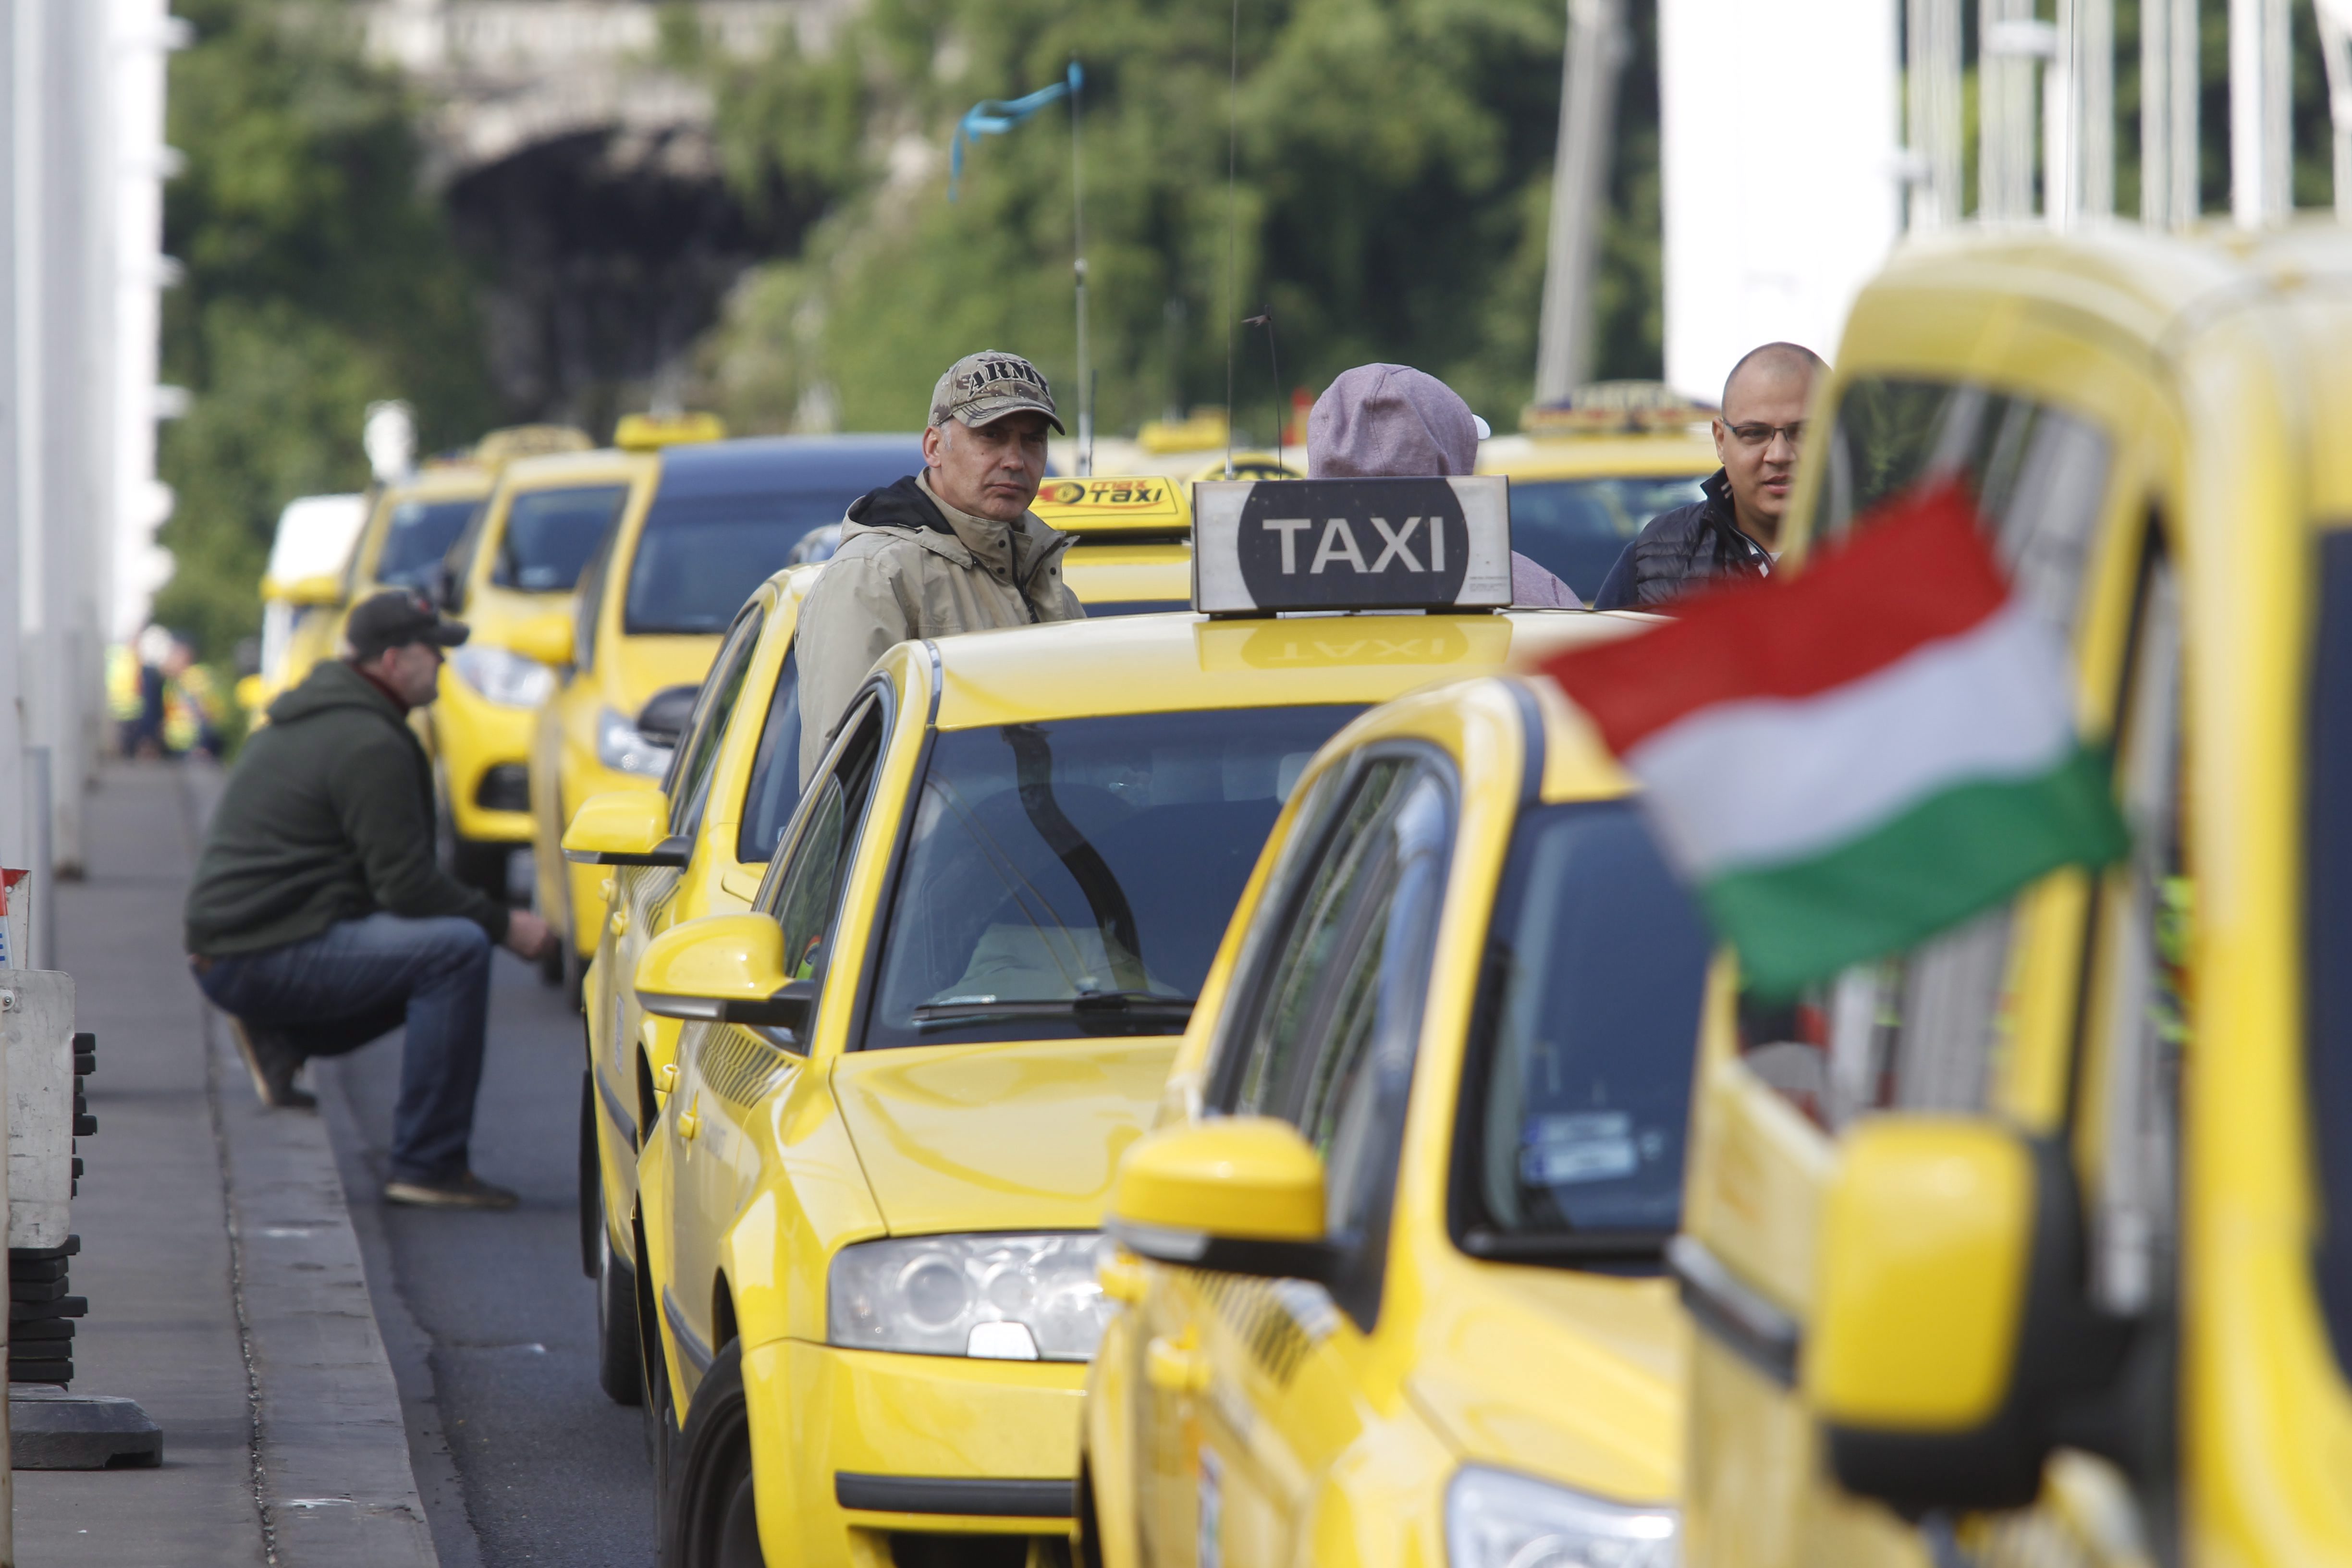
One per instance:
[(1849, 759)]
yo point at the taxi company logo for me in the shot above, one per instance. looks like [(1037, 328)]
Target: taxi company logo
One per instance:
[(1275, 647), (1114, 492), (1386, 542)]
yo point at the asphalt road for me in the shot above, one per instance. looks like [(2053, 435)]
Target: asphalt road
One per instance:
[(490, 1325)]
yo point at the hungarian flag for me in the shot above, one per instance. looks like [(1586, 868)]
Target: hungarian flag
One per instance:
[(1852, 758)]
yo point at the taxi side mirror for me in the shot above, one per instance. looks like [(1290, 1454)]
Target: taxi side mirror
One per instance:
[(625, 827), (547, 639), (319, 588), (1953, 1344), (1242, 1195), (727, 969)]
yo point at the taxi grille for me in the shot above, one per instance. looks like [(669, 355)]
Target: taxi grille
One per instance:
[(505, 787)]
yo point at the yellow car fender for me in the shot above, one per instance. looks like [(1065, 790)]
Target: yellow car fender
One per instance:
[(814, 1200), (1106, 1445), (655, 1256)]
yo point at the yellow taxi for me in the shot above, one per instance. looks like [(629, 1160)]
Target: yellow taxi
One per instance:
[(1587, 474), (302, 591), (868, 1199), (1132, 553), (696, 845), (707, 523), (413, 525), (2030, 1246), (1390, 1265), (509, 575)]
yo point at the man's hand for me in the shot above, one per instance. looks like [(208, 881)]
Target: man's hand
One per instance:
[(527, 934)]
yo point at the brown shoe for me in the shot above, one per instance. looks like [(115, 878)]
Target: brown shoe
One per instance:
[(273, 1064), (463, 1191)]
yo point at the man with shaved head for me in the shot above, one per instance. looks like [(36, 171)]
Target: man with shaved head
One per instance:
[(1736, 529)]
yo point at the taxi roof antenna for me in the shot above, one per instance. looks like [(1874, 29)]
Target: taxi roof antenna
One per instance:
[(1274, 359), (1076, 78), (1233, 221)]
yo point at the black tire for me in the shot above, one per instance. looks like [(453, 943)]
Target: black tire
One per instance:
[(619, 1369), (714, 1512), (661, 1417), (551, 959)]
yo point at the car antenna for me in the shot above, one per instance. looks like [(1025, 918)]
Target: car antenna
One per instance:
[(1233, 220), (1274, 359)]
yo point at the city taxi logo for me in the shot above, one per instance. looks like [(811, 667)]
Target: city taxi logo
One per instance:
[(1391, 541)]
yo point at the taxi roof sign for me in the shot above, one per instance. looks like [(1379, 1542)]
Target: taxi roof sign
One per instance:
[(1140, 503), (1265, 546)]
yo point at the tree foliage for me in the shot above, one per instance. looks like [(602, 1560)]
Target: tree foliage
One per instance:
[(317, 277), (1392, 162)]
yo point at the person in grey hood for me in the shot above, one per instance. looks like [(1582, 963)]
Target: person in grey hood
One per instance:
[(952, 549), (1391, 421)]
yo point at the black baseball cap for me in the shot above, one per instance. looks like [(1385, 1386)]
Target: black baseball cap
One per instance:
[(396, 617)]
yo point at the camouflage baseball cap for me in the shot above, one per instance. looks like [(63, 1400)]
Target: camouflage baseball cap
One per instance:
[(980, 389)]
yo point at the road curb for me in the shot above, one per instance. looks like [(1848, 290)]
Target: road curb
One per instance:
[(332, 1479)]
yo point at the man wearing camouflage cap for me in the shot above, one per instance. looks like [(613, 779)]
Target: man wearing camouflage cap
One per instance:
[(952, 549)]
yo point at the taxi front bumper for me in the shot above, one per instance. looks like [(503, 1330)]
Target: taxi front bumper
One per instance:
[(849, 1448), (474, 739)]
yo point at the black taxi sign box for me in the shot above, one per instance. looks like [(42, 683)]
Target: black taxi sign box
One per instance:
[(1265, 546)]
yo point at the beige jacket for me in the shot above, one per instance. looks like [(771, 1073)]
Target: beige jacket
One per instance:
[(899, 576)]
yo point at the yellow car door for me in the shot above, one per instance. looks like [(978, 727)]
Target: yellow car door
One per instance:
[(1258, 1385), (1973, 1023), (726, 1069)]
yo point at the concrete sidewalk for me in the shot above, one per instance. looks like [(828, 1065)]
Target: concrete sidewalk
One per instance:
[(224, 1283)]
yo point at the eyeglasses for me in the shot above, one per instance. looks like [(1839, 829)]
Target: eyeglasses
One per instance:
[(1761, 434)]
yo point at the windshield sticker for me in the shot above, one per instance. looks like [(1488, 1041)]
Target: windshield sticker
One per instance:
[(1563, 1150)]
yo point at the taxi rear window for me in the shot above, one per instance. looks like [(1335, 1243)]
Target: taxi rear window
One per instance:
[(1576, 529), (550, 534), (1570, 1144), (700, 556), (1075, 877), (419, 535)]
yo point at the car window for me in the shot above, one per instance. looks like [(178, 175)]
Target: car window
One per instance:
[(1920, 1031), (1075, 877), (1576, 529), (2328, 878), (803, 888), (550, 534), (688, 784), (1577, 1084), (700, 557), (774, 790), (1338, 1064), (1268, 1051), (418, 536)]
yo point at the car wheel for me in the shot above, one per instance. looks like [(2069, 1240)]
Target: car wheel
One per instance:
[(715, 1516), (591, 1176), (661, 1412), (619, 1370)]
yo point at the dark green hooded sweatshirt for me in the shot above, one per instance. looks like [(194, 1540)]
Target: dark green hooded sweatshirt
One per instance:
[(327, 817)]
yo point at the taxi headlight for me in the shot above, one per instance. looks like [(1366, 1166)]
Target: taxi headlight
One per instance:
[(999, 1298), (502, 675), (620, 746), (1497, 1520)]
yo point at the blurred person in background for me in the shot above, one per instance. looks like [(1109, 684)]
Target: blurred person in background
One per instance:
[(1736, 529), (193, 708), (1393, 422), (319, 919), (952, 549)]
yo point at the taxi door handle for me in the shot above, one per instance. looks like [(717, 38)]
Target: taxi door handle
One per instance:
[(1174, 1367)]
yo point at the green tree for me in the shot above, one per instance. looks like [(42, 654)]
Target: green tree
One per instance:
[(319, 276), (1392, 184)]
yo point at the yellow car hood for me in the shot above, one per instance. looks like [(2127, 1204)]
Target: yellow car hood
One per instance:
[(1575, 1378), (998, 1137)]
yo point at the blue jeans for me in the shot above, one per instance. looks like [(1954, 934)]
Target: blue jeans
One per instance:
[(359, 980)]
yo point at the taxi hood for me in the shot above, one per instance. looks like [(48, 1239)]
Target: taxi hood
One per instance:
[(1021, 1136), (1571, 1377)]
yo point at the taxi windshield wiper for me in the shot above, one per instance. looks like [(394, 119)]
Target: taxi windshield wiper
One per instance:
[(1117, 1004)]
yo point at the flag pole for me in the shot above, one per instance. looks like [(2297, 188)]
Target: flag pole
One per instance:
[(1078, 249)]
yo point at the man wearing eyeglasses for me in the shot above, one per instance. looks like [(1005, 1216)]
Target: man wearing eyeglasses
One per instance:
[(1736, 529)]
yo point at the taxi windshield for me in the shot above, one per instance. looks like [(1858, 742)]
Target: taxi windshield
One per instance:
[(701, 555), (1576, 529), (418, 536), (1075, 877), (550, 534), (1578, 1077)]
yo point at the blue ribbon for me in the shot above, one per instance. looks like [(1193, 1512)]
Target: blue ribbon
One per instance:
[(995, 116)]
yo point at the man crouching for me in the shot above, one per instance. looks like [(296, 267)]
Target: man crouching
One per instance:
[(320, 920)]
